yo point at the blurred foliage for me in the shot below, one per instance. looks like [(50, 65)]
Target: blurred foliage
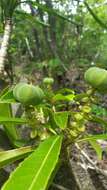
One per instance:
[(99, 111), (51, 36)]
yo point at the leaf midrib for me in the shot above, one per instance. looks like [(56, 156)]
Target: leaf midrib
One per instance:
[(35, 178)]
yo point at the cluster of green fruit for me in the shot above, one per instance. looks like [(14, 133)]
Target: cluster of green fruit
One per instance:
[(79, 118), (97, 78), (77, 126), (28, 94)]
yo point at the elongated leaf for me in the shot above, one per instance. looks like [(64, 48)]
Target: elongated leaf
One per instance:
[(8, 7), (97, 119), (21, 142), (4, 91), (35, 171), (7, 97), (7, 101), (58, 97), (61, 119), (80, 96), (97, 148), (7, 157), (10, 120), (70, 97), (11, 131), (93, 137), (66, 90)]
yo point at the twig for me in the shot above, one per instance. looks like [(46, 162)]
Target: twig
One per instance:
[(98, 170), (60, 187)]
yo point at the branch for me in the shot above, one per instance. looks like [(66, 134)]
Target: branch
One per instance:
[(96, 18), (60, 187), (98, 170), (51, 11)]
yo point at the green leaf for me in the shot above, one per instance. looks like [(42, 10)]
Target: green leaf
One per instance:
[(35, 171), (4, 91), (78, 97), (97, 119), (61, 119), (70, 97), (51, 121), (7, 157), (58, 97), (21, 142), (11, 131), (8, 101), (7, 97), (8, 7), (66, 90), (94, 137), (8, 120), (97, 148)]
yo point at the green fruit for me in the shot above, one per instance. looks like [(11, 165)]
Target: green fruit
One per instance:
[(48, 80), (86, 109), (85, 99), (73, 133), (97, 78), (33, 134), (16, 87), (78, 116), (81, 128), (89, 92), (74, 124), (28, 94)]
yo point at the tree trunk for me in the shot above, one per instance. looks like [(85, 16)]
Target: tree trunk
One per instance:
[(45, 31), (36, 36), (52, 23), (5, 44)]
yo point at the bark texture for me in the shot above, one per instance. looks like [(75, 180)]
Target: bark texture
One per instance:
[(5, 44)]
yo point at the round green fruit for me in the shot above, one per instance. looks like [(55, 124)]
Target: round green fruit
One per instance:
[(16, 88), (48, 80), (97, 78), (28, 94), (78, 116), (86, 109), (73, 133), (33, 134)]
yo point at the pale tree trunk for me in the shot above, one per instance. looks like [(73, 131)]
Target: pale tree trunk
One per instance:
[(5, 44)]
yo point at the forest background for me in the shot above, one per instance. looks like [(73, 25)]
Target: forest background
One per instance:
[(53, 38)]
